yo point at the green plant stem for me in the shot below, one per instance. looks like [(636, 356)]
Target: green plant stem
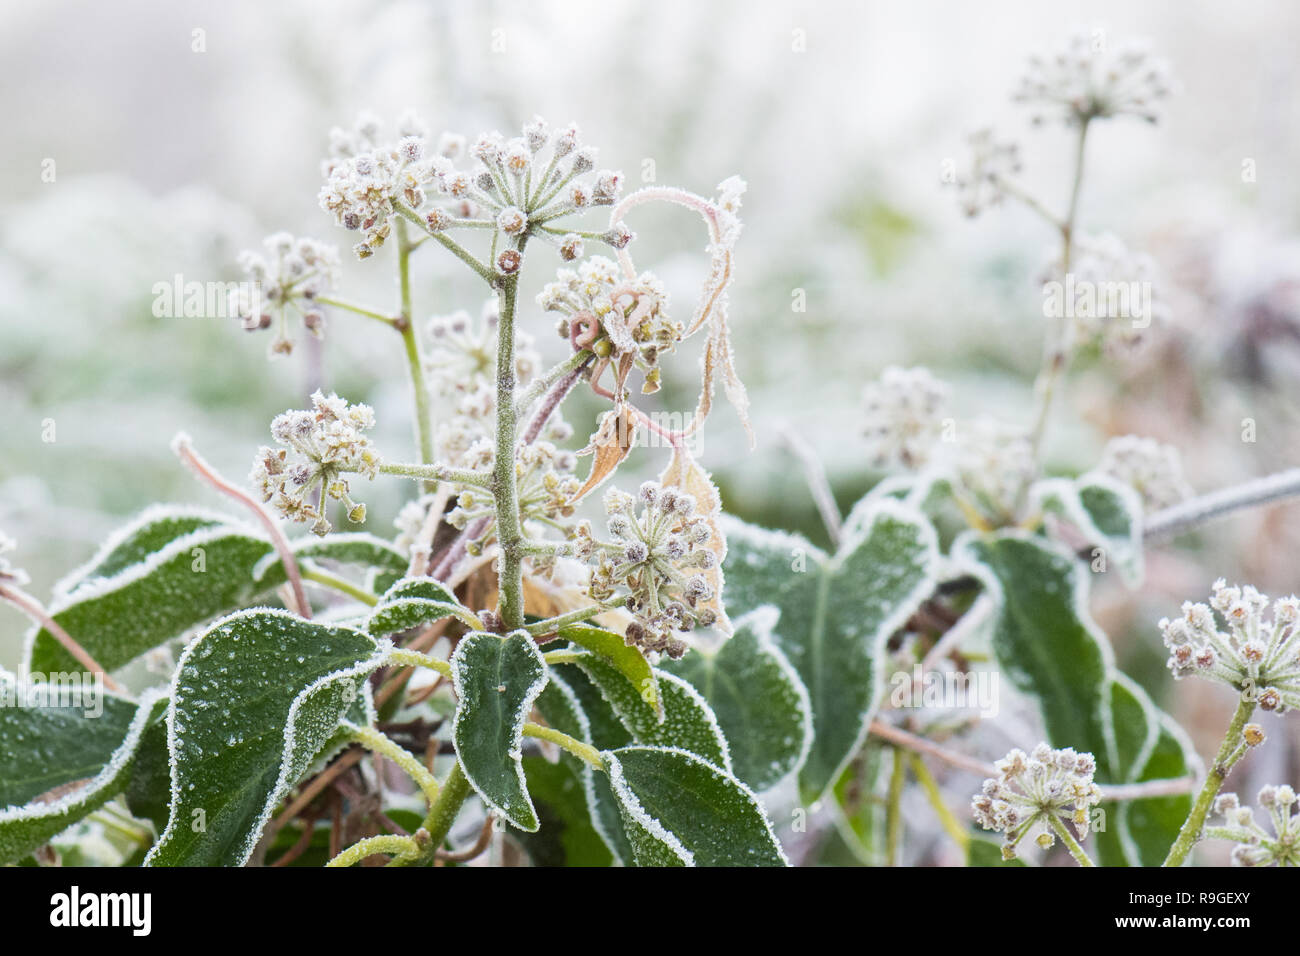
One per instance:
[(398, 847), (455, 790), (585, 752), (552, 375), (377, 742), (1219, 770), (564, 620), (393, 322), (564, 657), (406, 658), (319, 575), (459, 251), (509, 531), (894, 811), (931, 787), (414, 360), (1076, 850), (1057, 352), (435, 472)]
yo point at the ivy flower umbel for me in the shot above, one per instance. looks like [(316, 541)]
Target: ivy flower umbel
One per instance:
[(319, 447), (653, 557), (1038, 794), (993, 164), (903, 416), (514, 188), (1153, 470), (462, 356), (614, 316), (545, 489), (1255, 845), (288, 275), (1254, 656), (1093, 79)]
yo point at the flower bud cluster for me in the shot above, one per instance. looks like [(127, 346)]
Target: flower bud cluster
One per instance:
[(613, 315), (654, 557), (1153, 470), (903, 415), (1255, 845), (544, 482), (1033, 794), (1254, 655), (1093, 79), (289, 274), (318, 448), (993, 164)]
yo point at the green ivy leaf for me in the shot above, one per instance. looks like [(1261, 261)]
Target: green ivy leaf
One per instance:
[(364, 550), (68, 733), (835, 615), (27, 827), (566, 836), (761, 704), (412, 602), (688, 721), (1105, 513), (497, 679), (150, 531), (859, 810), (680, 810), (194, 578), (629, 661), (1049, 647), (598, 725), (255, 698)]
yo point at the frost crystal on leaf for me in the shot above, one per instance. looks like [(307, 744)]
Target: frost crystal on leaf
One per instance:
[(327, 443), (1254, 655)]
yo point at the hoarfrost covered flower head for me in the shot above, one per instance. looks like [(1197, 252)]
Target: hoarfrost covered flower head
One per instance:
[(993, 163), (517, 187), (994, 462), (614, 316), (1034, 794), (318, 448), (655, 555), (545, 489), (286, 277), (903, 414), (462, 357), (1253, 655), (1256, 846), (8, 573), (1092, 78), (1153, 470), (1110, 295)]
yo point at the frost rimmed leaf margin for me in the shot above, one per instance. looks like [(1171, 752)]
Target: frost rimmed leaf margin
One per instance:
[(736, 833), (489, 749), (767, 743), (760, 572), (104, 613), (297, 749), (25, 828), (1075, 682), (1106, 512)]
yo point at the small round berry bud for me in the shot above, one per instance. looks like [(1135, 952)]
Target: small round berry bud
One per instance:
[(411, 149), (438, 220), (584, 161), (512, 220), (618, 236), (357, 514), (571, 247), (535, 133), (565, 141), (1254, 735), (508, 262), (636, 552)]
